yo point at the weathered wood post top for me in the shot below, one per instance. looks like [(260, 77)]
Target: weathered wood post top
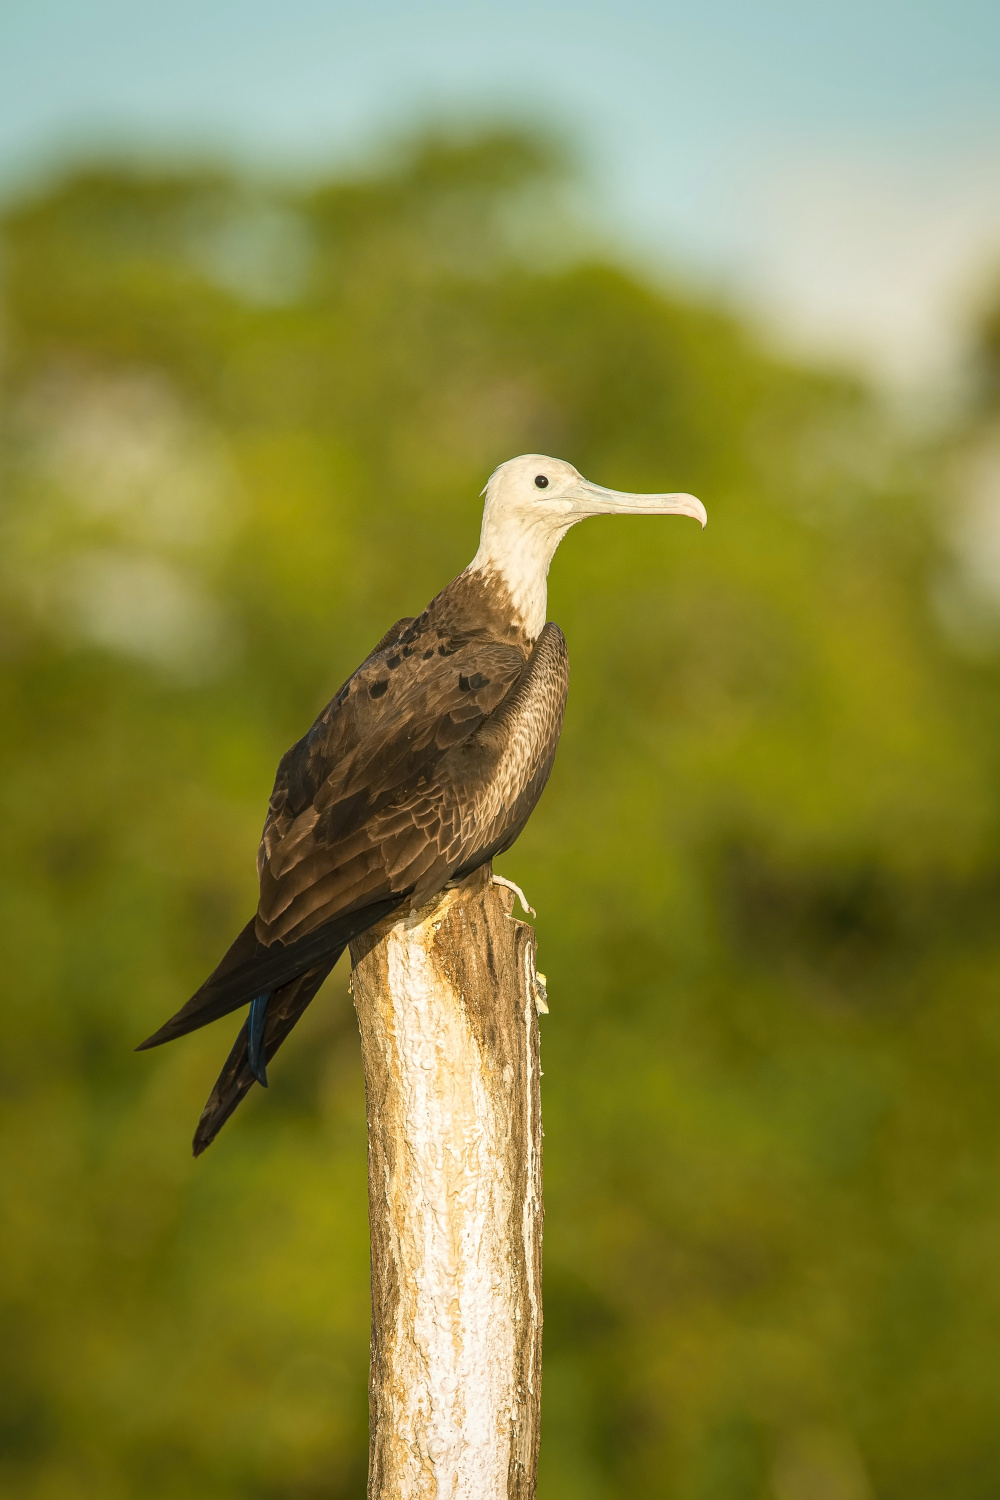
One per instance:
[(447, 1002)]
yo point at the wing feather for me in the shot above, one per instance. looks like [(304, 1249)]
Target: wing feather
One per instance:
[(344, 824), (383, 794)]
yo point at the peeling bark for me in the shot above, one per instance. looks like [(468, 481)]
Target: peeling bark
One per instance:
[(447, 1003)]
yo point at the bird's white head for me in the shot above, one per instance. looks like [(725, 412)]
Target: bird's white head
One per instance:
[(531, 503)]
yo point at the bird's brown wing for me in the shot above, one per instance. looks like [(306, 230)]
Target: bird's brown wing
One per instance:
[(363, 806), (421, 768)]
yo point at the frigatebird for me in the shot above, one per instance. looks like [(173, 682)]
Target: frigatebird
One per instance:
[(425, 765)]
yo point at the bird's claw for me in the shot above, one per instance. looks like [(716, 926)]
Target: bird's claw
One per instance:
[(499, 880)]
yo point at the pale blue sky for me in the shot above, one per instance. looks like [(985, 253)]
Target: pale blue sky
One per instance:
[(838, 164)]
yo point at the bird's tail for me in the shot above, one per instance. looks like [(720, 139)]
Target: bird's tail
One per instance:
[(250, 968), (278, 982), (284, 1008)]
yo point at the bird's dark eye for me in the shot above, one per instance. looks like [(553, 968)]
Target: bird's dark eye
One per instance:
[(541, 481)]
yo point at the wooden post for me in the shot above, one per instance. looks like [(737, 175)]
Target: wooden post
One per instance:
[(447, 1002)]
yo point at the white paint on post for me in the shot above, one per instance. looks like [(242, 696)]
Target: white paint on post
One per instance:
[(446, 1003), (531, 1211), (455, 1392)]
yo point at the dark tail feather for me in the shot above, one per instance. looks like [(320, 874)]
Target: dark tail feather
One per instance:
[(213, 999), (237, 1077), (256, 1023), (249, 968)]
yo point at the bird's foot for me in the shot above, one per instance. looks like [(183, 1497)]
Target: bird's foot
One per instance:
[(255, 1037), (499, 880)]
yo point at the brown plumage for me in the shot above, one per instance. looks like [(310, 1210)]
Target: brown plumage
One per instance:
[(404, 782), (425, 765)]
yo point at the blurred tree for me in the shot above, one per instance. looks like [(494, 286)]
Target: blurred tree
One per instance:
[(989, 355), (244, 428)]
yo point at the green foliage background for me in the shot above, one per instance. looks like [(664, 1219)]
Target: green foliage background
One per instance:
[(244, 427)]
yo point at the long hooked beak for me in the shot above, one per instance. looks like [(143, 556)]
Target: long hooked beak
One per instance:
[(597, 501)]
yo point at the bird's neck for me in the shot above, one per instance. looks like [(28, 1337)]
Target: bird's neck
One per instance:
[(517, 559)]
